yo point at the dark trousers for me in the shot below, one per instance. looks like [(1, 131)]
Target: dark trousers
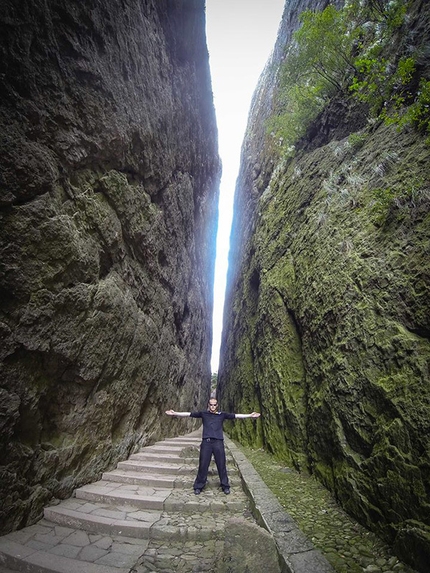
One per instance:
[(208, 447)]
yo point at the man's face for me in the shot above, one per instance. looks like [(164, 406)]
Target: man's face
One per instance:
[(213, 405)]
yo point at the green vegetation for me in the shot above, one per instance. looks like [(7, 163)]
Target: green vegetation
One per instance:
[(382, 201), (417, 113), (376, 84), (388, 199), (357, 140), (346, 53), (314, 70)]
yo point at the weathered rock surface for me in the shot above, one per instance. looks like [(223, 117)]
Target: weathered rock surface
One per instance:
[(243, 549), (327, 318), (109, 184)]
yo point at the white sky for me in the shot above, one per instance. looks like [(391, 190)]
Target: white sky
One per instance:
[(241, 35)]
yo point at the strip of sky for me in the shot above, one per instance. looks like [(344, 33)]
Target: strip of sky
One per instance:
[(241, 35)]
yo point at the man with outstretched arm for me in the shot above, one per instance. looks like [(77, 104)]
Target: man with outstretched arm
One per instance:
[(212, 442)]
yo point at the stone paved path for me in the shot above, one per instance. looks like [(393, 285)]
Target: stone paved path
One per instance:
[(143, 517)]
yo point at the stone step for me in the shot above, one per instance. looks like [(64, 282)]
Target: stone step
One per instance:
[(156, 467), (179, 443), (212, 500), (168, 449), (163, 481), (160, 457), (139, 478), (184, 440), (117, 493), (102, 518), (171, 470), (155, 456), (29, 557)]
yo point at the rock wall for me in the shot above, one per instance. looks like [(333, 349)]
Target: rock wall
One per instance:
[(109, 188), (327, 317)]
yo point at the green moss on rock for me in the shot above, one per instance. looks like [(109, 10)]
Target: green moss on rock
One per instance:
[(337, 328)]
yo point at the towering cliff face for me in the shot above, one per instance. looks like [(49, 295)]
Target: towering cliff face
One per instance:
[(109, 187), (327, 317)]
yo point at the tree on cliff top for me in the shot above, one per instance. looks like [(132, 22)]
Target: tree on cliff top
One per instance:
[(341, 51)]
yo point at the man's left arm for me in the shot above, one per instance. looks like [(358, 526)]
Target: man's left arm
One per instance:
[(252, 415)]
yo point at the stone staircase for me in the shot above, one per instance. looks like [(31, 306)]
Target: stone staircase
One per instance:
[(141, 517)]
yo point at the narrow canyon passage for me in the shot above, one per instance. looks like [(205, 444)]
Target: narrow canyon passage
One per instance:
[(110, 176)]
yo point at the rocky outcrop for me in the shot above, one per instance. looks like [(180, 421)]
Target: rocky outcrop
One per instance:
[(109, 184), (327, 317)]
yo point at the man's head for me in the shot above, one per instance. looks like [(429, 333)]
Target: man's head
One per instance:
[(213, 405)]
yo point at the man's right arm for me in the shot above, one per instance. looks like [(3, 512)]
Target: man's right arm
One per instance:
[(178, 414)]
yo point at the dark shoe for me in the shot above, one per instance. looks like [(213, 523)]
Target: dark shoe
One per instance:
[(226, 490), (197, 491)]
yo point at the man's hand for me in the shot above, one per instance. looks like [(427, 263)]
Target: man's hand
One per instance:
[(178, 414), (255, 415)]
